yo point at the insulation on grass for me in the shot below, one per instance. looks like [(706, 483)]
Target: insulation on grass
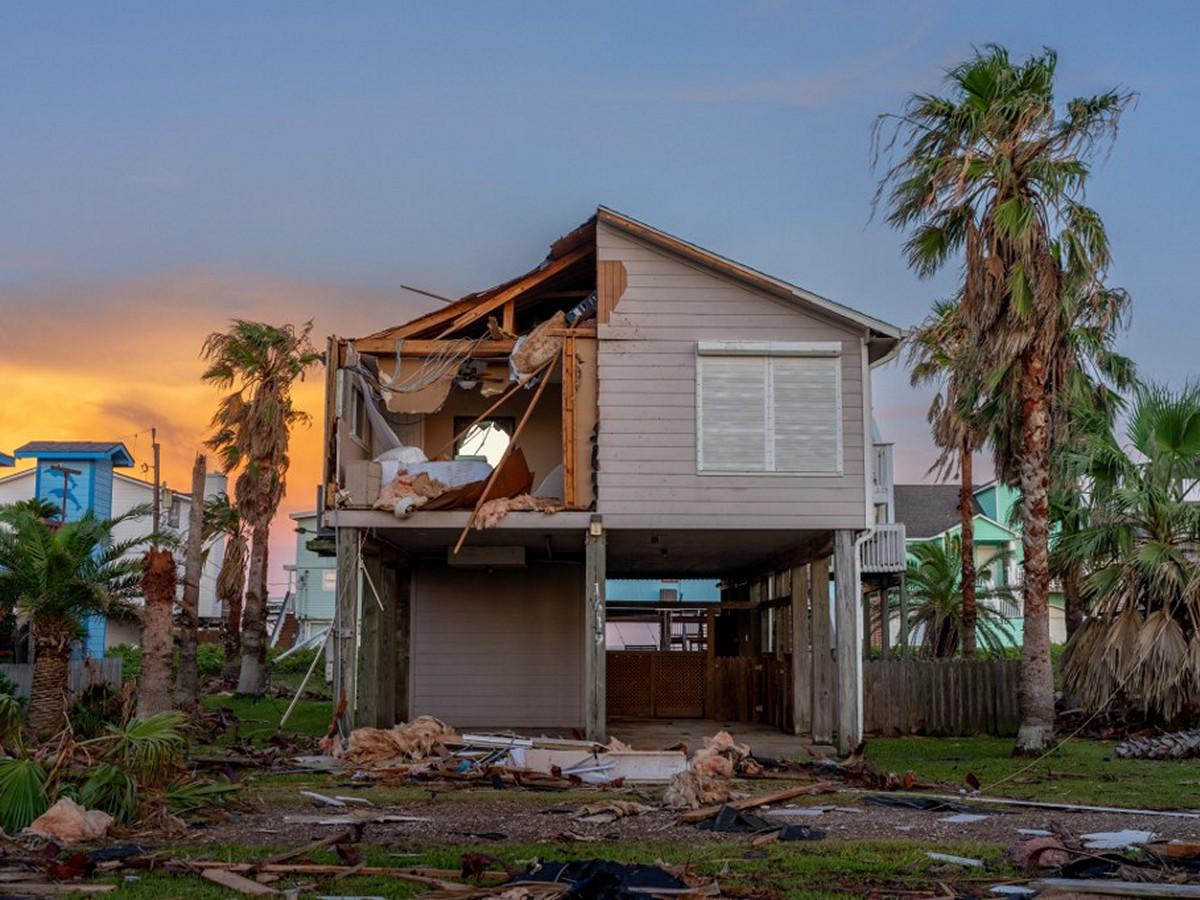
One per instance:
[(413, 740), (693, 789), (720, 755)]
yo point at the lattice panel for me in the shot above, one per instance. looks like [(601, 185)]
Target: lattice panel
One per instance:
[(629, 675), (679, 685)]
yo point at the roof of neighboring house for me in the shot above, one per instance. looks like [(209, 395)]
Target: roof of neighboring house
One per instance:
[(6, 460), (576, 251), (929, 509), (113, 450)]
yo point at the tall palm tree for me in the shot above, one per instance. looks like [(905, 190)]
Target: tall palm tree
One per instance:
[(56, 575), (935, 602), (251, 429), (1139, 546), (996, 172), (932, 351), (221, 520)]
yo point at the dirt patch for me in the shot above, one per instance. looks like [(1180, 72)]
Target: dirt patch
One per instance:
[(463, 820)]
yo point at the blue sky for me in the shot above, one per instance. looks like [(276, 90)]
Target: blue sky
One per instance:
[(164, 165)]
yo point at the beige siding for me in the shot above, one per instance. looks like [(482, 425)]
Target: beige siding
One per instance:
[(499, 648), (647, 453)]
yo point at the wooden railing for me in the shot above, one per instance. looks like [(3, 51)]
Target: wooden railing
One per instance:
[(940, 697), (885, 551)]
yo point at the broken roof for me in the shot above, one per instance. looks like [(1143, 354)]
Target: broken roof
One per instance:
[(575, 252), (111, 450)]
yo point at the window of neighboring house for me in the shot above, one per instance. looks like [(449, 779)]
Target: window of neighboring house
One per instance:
[(329, 580), (360, 426), (486, 439), (769, 408)]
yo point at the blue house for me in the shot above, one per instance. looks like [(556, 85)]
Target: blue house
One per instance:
[(6, 460), (77, 476)]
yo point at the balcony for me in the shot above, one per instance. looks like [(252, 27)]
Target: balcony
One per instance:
[(881, 475), (885, 551)]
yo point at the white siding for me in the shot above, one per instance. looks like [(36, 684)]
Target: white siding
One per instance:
[(648, 476)]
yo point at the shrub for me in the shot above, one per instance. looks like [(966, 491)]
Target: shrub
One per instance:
[(297, 662), (131, 660), (8, 687), (210, 660)]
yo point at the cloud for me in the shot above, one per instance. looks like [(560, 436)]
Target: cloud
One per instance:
[(109, 360)]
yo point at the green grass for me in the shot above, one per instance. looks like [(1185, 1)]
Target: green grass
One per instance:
[(794, 871), (259, 717), (1083, 771)]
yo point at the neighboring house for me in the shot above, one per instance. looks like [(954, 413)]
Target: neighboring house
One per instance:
[(658, 614), (931, 512), (87, 472), (6, 460), (314, 580), (699, 419)]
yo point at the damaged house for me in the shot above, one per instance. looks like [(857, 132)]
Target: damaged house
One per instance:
[(633, 407)]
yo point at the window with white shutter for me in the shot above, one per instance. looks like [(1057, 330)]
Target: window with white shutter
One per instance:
[(769, 407)]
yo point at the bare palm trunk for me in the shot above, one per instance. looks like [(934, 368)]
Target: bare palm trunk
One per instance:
[(966, 510), (1073, 600), (48, 700), (158, 588), (1036, 693), (187, 688), (253, 676), (231, 637)]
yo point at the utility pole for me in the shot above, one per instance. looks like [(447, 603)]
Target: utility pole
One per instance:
[(66, 473), (157, 483)]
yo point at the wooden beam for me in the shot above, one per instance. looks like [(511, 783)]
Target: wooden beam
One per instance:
[(802, 674), (568, 421), (541, 276), (509, 317), (848, 599), (490, 349), (595, 639), (512, 443), (822, 682), (345, 624)]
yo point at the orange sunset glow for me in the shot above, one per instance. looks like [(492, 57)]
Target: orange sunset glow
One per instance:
[(128, 360)]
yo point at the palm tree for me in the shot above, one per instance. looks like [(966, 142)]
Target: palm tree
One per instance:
[(996, 172), (56, 575), (221, 519), (1139, 543), (250, 434), (935, 599), (932, 354)]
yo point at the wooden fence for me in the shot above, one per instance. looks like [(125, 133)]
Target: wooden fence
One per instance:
[(83, 673), (940, 697)]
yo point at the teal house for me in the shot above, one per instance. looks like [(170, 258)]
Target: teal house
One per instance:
[(930, 512), (314, 580)]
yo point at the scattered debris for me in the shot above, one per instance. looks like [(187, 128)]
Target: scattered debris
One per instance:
[(964, 818), (610, 811), (956, 860), (693, 790), (700, 815), (917, 801), (1174, 745), (1116, 840), (414, 740), (1088, 887), (1045, 852), (69, 823)]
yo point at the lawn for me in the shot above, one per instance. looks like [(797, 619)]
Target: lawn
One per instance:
[(847, 869), (1082, 771)]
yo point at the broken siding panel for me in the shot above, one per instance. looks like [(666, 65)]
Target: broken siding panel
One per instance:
[(499, 648), (648, 402)]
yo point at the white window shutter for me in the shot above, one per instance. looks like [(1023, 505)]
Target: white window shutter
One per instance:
[(806, 413), (732, 414)]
